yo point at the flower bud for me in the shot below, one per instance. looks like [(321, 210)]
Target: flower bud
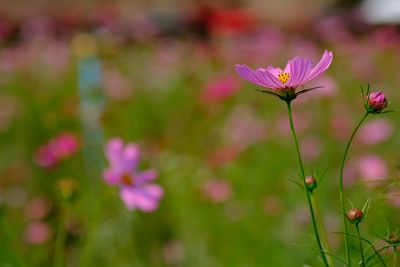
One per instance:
[(355, 215), (393, 239), (311, 183), (376, 102), (67, 188)]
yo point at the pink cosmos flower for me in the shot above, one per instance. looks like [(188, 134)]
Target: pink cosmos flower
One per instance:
[(219, 89), (376, 131), (297, 72), (311, 147), (37, 233), (136, 190), (57, 149), (217, 191), (372, 169), (64, 145), (37, 209)]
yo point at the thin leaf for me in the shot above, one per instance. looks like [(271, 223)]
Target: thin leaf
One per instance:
[(327, 253), (351, 203), (307, 90), (376, 252), (269, 93)]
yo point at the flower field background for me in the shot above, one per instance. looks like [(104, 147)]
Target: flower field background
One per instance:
[(73, 80)]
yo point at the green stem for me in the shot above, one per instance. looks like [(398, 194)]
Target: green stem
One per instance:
[(321, 229), (305, 185), (61, 238), (341, 194), (361, 247)]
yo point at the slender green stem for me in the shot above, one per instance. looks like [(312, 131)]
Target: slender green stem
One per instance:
[(305, 185), (321, 229), (61, 238), (341, 192), (361, 247)]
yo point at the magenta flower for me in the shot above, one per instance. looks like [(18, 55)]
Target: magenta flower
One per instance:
[(284, 83), (56, 150), (219, 89), (136, 191)]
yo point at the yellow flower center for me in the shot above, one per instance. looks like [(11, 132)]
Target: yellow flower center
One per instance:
[(284, 77), (127, 179)]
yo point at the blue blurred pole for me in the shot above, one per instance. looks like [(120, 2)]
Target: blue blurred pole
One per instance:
[(91, 98)]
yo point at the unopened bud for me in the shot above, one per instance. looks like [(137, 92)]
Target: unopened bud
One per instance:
[(393, 239), (311, 183), (355, 215), (67, 189), (376, 102)]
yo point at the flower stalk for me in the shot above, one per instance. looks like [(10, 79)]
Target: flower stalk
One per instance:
[(310, 206), (61, 239), (360, 244), (341, 191)]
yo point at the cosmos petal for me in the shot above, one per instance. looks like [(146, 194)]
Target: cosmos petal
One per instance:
[(260, 76), (114, 150), (321, 67)]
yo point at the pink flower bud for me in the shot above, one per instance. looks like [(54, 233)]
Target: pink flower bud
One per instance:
[(376, 102), (355, 215), (311, 183)]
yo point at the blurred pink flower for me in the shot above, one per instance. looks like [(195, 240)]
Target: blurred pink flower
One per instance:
[(14, 58), (64, 145), (217, 191), (44, 157), (300, 215), (267, 43), (376, 131), (219, 89), (231, 21), (362, 66), (350, 175), (340, 124), (385, 37), (333, 29), (57, 149), (10, 109), (116, 86), (329, 89), (37, 29), (136, 191), (311, 148), (297, 72), (244, 128), (174, 253), (301, 120), (272, 205), (37, 209), (37, 233), (224, 155), (372, 169), (56, 55), (393, 198)]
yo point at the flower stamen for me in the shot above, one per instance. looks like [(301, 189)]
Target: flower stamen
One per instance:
[(127, 179), (283, 77)]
